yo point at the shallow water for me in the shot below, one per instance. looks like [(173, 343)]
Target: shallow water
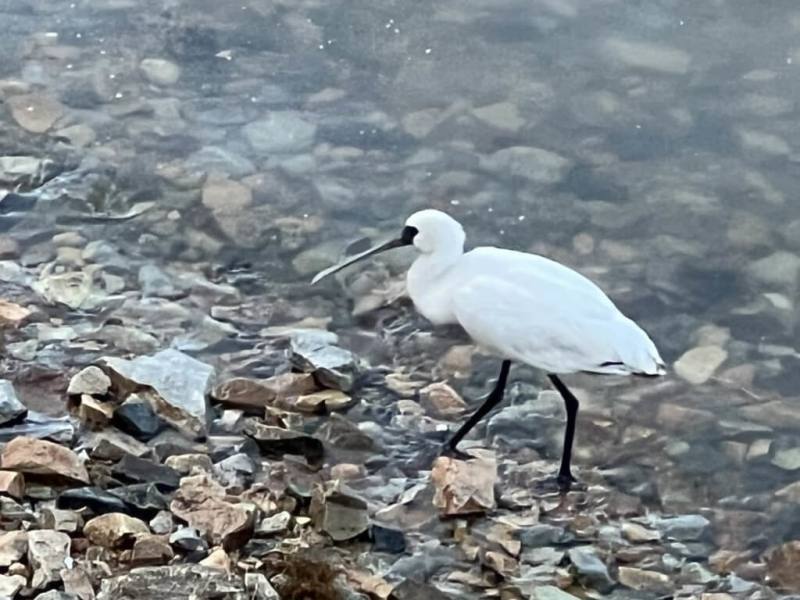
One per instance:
[(278, 132)]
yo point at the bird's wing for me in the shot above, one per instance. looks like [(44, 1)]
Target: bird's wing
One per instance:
[(538, 319)]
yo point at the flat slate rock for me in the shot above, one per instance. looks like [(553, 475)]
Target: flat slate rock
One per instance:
[(139, 470)]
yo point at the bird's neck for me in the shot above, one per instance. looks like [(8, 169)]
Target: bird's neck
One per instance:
[(428, 270)]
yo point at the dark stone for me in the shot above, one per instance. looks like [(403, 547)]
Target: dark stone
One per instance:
[(139, 470), (144, 499), (12, 411), (387, 540), (411, 589), (590, 570), (275, 442), (544, 534), (97, 501), (137, 418), (188, 541)]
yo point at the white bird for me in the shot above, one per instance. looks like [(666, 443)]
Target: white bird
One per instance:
[(519, 307)]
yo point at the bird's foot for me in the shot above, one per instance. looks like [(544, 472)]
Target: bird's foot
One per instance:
[(451, 451), (561, 484)]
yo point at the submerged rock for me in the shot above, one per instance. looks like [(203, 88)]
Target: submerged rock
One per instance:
[(180, 383), (281, 132), (698, 364)]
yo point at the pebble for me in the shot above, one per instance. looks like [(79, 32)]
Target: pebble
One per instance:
[(535, 164), (280, 132), (647, 56), (36, 112)]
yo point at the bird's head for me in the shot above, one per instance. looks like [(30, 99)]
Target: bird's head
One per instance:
[(427, 230)]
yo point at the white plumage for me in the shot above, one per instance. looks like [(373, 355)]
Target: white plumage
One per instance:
[(520, 307)]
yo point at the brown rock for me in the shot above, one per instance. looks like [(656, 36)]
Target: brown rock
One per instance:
[(12, 315), (245, 393), (289, 385), (463, 487), (442, 401), (225, 196), (113, 530), (40, 458), (151, 550), (322, 401), (644, 581), (200, 501), (94, 413), (782, 563), (13, 546), (48, 553), (12, 484)]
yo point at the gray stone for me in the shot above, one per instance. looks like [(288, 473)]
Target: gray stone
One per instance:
[(780, 270), (685, 528), (160, 71), (91, 380), (48, 554), (551, 592), (180, 383), (11, 409), (236, 471), (313, 351), (536, 164), (647, 56), (16, 169), (338, 512), (590, 570), (155, 282), (699, 364), (177, 582), (280, 132)]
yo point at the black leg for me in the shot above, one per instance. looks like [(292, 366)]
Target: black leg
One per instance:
[(493, 400), (565, 477)]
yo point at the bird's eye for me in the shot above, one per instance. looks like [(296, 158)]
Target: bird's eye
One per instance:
[(407, 236)]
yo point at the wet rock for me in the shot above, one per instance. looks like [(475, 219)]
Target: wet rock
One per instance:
[(502, 115), (143, 500), (13, 546), (338, 512), (11, 314), (590, 570), (48, 554), (644, 581), (20, 169), (91, 380), (442, 401), (180, 582), (637, 534), (281, 132), (276, 442), (153, 281), (224, 195), (535, 164), (214, 158), (136, 417), (12, 484), (42, 459), (113, 530), (95, 500), (180, 383), (201, 503), (160, 71), (464, 487), (139, 470), (10, 585), (245, 393), (648, 56), (11, 409), (313, 351), (684, 528), (698, 364), (188, 540), (544, 534), (392, 541), (35, 112)]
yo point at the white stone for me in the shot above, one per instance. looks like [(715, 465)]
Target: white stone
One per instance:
[(159, 71), (643, 55)]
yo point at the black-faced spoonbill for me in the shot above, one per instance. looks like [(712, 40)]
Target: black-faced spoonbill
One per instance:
[(521, 307)]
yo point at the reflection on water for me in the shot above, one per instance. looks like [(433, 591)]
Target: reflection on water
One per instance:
[(193, 163)]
